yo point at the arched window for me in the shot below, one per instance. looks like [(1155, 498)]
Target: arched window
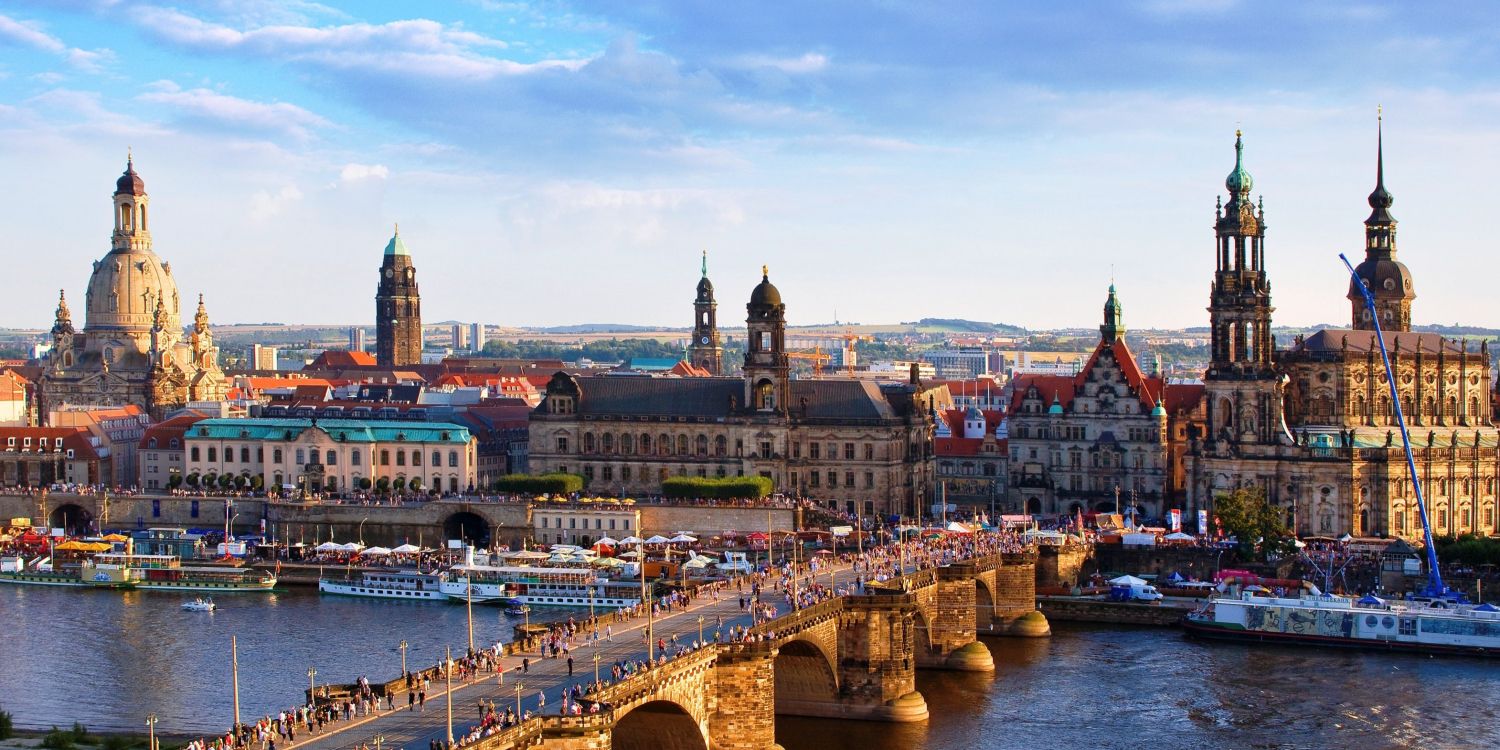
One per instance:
[(682, 445), (453, 460), (416, 458), (627, 443), (1474, 409), (701, 445), (354, 457), (1452, 407), (245, 454), (588, 442), (721, 446), (609, 442), (645, 444), (331, 458), (664, 445)]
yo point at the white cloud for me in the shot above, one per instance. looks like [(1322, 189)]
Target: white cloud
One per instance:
[(264, 204), (29, 34), (810, 62), (418, 47), (361, 172), (211, 106)]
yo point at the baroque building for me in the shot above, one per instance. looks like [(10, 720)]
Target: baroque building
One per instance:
[(857, 446), (1100, 439), (132, 350), (706, 350), (1313, 426), (398, 308)]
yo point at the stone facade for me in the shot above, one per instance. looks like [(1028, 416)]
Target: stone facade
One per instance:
[(855, 445), (1314, 426), (132, 350), (1099, 439), (398, 309)]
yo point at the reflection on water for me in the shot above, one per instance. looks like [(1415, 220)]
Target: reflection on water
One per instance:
[(109, 659), (1107, 687)]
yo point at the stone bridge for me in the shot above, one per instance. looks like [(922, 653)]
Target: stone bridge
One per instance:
[(852, 657)]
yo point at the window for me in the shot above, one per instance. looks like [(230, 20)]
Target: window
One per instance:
[(174, 444), (245, 455), (609, 473), (815, 477), (544, 522), (453, 459), (814, 450), (385, 457), (611, 524), (562, 445), (870, 479), (721, 446), (400, 458), (193, 452), (588, 473), (354, 457), (213, 453), (848, 451), (869, 452), (796, 451), (833, 479), (149, 443), (331, 458), (301, 456)]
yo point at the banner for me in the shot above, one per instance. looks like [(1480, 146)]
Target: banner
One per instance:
[(841, 530), (1176, 519), (1203, 522)]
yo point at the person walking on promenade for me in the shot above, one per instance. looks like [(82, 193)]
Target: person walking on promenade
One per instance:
[(422, 700), (541, 701), (570, 666), (525, 664)]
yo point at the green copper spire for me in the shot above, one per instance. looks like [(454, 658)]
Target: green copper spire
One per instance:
[(1381, 199), (1239, 181), (705, 264), (396, 246), (1114, 321)]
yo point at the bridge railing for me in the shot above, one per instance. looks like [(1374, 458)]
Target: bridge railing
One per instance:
[(642, 683), (797, 619)]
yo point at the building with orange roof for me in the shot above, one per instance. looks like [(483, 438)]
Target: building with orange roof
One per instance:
[(41, 456), (160, 451), (118, 429)]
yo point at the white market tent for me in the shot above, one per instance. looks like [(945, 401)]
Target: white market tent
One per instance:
[(1127, 581), (1178, 536), (658, 539), (330, 547), (682, 539), (608, 542), (376, 552), (407, 549), (632, 540)]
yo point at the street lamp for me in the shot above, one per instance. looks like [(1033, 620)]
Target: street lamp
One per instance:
[(311, 685), (700, 631), (448, 680), (519, 685), (596, 670), (151, 732), (362, 529), (402, 646)]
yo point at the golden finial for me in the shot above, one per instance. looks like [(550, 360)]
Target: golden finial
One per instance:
[(764, 272), (1238, 133), (398, 229), (1379, 112)]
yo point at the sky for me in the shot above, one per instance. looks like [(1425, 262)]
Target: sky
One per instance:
[(567, 161)]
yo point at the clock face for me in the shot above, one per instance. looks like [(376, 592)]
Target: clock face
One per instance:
[(388, 273), (705, 339)]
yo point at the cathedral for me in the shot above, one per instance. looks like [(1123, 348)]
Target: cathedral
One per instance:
[(132, 349), (1313, 426)]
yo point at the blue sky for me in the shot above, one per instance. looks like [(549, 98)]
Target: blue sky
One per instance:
[(557, 162)]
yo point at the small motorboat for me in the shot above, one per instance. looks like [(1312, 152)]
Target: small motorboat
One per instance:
[(200, 605), (517, 610)]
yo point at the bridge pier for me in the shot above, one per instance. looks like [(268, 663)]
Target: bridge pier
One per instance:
[(745, 711), (877, 659), (1014, 609), (952, 641)]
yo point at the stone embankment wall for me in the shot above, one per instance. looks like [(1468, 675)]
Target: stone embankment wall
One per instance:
[(1069, 609)]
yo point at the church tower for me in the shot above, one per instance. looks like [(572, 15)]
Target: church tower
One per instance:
[(1241, 385), (398, 308), (706, 351), (1388, 279), (1113, 328), (767, 367)]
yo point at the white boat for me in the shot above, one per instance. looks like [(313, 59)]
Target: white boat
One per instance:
[(408, 585), (200, 605), (527, 585), (734, 562), (1325, 620)]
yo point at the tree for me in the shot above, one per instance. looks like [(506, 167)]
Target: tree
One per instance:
[(554, 483), (399, 484), (717, 487), (192, 479), (226, 481), (210, 479), (382, 484), (174, 481), (257, 482), (364, 483), (1258, 528), (415, 485)]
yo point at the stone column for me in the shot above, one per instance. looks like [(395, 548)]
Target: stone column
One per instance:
[(1015, 597), (877, 659), (745, 692)]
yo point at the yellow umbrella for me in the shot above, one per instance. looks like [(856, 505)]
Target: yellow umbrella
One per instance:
[(115, 538)]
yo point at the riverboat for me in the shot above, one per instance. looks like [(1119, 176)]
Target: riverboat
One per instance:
[(527, 585), (406, 585), (167, 573), (1436, 627), (15, 570)]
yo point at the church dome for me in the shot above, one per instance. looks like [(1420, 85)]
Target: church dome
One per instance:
[(765, 293), (1239, 182), (130, 182), (124, 289), (705, 288), (1385, 277)]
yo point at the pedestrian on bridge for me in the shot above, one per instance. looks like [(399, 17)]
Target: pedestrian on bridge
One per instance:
[(570, 666)]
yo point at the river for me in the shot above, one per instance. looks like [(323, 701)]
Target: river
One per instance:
[(108, 659)]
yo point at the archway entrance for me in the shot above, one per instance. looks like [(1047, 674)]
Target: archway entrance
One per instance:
[(658, 725), (803, 676), (984, 607), (76, 519), (1034, 505), (470, 527)]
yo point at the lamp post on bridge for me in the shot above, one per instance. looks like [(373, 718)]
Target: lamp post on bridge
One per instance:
[(518, 700), (448, 692), (151, 732), (402, 647), (312, 685), (596, 670), (700, 631)]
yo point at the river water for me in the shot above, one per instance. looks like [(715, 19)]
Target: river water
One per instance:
[(108, 659)]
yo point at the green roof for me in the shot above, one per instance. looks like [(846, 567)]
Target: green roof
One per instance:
[(396, 246), (341, 430)]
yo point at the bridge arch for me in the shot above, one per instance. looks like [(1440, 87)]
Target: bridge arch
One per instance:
[(658, 725), (468, 526), (805, 672), (71, 516), (984, 604)]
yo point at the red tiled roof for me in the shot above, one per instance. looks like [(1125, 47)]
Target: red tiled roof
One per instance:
[(1147, 389), (74, 438), (1183, 397), (175, 427), (335, 359)]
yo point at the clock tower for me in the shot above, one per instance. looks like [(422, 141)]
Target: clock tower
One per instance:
[(706, 350), (398, 309)]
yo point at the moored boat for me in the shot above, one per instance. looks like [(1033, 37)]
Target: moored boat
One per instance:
[(1324, 620), (528, 585), (200, 604), (167, 573), (408, 585)]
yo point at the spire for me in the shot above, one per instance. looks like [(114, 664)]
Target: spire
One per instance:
[(1239, 181), (63, 323), (705, 264), (200, 319), (396, 246), (1114, 322), (765, 273), (161, 321), (1380, 199)]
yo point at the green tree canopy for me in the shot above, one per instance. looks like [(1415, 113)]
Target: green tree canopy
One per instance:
[(1259, 528), (554, 483), (717, 487)]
